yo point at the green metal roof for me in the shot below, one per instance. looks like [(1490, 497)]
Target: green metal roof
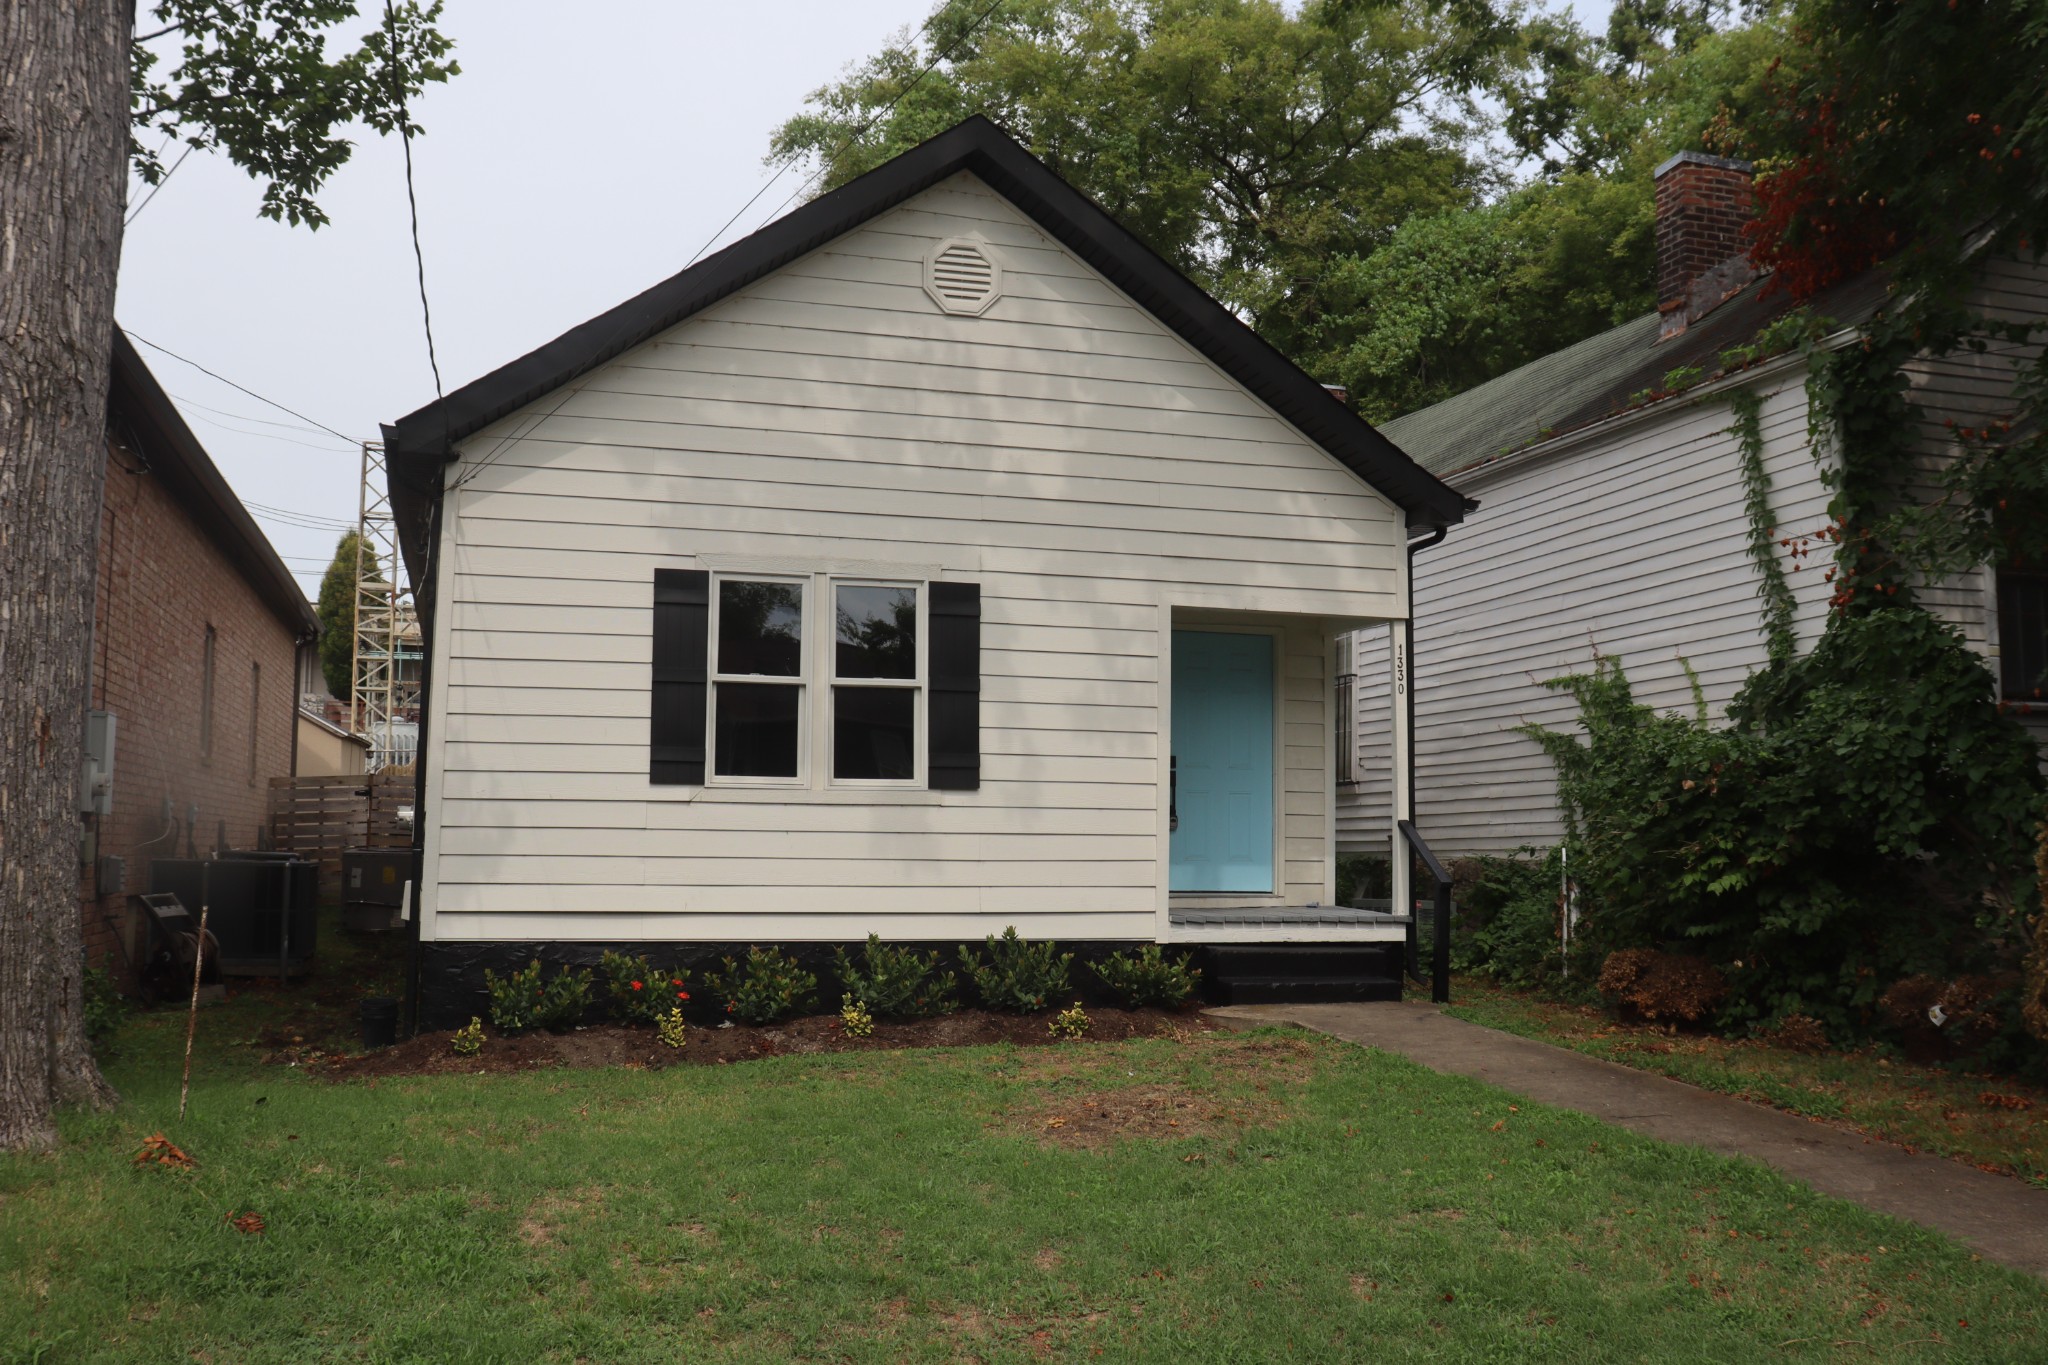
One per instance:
[(1604, 375), (1506, 411)]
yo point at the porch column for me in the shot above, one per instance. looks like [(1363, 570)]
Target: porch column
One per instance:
[(1402, 789)]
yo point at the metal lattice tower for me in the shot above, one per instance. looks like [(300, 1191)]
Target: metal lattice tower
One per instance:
[(384, 690)]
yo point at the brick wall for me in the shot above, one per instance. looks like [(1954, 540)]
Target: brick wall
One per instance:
[(1702, 203), (161, 583)]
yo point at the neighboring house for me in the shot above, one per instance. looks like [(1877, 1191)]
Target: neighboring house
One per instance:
[(329, 750), (1611, 519), (197, 632), (871, 576)]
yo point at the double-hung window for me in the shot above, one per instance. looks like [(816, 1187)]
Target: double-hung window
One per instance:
[(2022, 634), (793, 679), (779, 677), (877, 682), (758, 672)]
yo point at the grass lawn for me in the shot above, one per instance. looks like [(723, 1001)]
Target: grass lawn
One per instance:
[(1229, 1198), (1991, 1122)]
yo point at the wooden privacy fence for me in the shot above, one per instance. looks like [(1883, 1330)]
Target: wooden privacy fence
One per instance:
[(319, 818)]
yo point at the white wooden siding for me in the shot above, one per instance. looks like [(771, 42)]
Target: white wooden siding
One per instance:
[(1066, 451), (1631, 544), (1972, 389)]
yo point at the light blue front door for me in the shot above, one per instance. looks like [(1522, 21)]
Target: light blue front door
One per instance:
[(1223, 760)]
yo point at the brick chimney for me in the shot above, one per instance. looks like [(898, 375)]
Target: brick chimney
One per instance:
[(1702, 260)]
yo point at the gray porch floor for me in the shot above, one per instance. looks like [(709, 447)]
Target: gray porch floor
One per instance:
[(1281, 916)]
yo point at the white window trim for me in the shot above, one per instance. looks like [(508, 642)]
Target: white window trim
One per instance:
[(802, 682), (817, 682), (917, 684)]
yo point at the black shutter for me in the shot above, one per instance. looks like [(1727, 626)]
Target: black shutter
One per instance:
[(682, 626), (953, 743)]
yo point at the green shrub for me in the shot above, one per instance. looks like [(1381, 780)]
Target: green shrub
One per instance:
[(639, 991), (564, 1000), (672, 1028), (1149, 977), (521, 1001), (856, 1019), (105, 1008), (898, 983), (1018, 976), (1508, 920), (515, 999), (768, 986), (1072, 1022), (468, 1040), (1866, 815)]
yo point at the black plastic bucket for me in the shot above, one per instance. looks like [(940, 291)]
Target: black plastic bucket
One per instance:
[(380, 1021)]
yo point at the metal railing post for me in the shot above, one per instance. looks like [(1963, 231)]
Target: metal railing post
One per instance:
[(1440, 944), (1440, 965)]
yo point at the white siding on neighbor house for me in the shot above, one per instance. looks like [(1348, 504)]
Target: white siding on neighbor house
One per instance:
[(1972, 389), (1065, 451), (1631, 543)]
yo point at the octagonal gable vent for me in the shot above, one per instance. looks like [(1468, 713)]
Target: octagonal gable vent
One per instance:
[(962, 277)]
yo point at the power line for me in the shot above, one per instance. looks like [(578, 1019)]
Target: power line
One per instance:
[(185, 402), (411, 199), (136, 212), (264, 435), (132, 336), (311, 520), (513, 438), (859, 132)]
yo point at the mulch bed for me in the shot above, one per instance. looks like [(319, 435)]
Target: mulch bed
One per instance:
[(612, 1044)]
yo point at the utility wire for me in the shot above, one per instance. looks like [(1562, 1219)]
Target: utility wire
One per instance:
[(513, 438), (323, 446), (859, 132), (136, 212), (411, 199), (132, 336), (313, 520), (185, 402)]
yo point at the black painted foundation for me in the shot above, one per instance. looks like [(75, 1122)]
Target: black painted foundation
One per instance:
[(451, 974)]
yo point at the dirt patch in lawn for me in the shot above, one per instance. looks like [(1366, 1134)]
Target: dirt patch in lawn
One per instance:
[(1093, 1119), (611, 1044)]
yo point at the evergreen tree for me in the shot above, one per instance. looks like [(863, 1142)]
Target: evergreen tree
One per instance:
[(337, 612)]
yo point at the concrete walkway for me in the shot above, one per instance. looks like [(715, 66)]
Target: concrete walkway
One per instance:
[(2003, 1219)]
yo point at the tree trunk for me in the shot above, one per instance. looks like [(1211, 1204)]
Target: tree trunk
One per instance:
[(63, 149)]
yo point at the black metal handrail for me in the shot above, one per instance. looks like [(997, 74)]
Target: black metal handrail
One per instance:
[(1347, 730), (1440, 915)]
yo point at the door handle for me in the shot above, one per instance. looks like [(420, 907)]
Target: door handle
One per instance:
[(1172, 793)]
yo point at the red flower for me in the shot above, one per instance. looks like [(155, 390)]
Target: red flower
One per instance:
[(682, 995), (636, 985)]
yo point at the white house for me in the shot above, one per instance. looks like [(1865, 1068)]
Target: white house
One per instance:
[(1612, 519), (934, 560)]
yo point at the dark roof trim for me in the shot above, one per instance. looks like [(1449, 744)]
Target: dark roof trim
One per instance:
[(181, 464), (416, 444)]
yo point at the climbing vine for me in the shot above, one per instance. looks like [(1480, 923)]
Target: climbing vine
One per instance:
[(1764, 542), (1864, 815)]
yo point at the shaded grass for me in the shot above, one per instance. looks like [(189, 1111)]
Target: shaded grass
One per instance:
[(1922, 1108), (921, 1206)]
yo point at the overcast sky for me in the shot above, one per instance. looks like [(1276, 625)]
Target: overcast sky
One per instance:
[(581, 156)]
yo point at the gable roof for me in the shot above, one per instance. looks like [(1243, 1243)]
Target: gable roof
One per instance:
[(416, 446), (136, 402), (1601, 376)]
